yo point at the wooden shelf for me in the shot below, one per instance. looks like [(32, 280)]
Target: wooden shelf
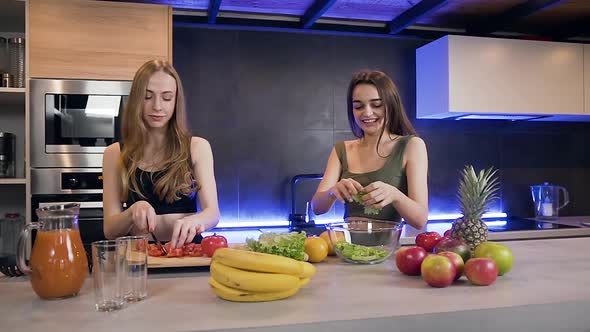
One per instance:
[(12, 96), (12, 90), (13, 181)]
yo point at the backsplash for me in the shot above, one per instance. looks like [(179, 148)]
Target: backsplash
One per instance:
[(272, 105)]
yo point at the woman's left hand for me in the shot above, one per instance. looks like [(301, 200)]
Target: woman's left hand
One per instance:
[(184, 231), (379, 194)]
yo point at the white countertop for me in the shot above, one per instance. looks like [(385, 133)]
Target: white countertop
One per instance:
[(553, 272)]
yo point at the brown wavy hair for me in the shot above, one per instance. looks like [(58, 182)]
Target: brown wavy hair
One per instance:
[(176, 177), (396, 119)]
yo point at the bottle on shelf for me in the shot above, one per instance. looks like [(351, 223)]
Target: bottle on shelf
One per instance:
[(16, 50)]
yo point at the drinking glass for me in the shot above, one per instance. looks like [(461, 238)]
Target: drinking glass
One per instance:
[(133, 252), (106, 271)]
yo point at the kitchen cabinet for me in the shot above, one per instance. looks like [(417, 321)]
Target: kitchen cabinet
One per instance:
[(82, 39), (495, 78), (13, 116), (587, 79)]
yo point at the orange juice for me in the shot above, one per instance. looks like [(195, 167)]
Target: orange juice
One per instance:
[(58, 263)]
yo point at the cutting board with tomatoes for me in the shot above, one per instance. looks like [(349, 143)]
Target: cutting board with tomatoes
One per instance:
[(190, 255), (161, 262)]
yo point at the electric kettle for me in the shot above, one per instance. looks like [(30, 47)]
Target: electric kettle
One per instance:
[(546, 200)]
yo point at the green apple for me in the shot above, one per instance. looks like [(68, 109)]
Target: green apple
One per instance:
[(500, 253)]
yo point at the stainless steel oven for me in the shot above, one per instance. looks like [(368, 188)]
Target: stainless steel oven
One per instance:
[(73, 121)]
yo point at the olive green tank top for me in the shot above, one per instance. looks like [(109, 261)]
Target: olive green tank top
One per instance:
[(392, 173)]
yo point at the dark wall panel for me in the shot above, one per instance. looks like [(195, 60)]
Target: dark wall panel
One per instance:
[(272, 105)]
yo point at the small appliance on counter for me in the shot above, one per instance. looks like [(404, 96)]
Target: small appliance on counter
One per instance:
[(547, 201), (7, 155), (302, 221)]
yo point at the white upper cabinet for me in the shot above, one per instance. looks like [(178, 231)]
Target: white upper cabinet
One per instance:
[(459, 76)]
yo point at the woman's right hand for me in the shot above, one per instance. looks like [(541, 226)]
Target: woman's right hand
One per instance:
[(143, 216), (344, 189)]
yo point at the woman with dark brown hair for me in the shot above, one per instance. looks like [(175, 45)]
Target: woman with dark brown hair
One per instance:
[(387, 164), (158, 169)]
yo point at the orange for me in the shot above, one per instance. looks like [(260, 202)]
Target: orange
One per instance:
[(316, 248), (326, 236)]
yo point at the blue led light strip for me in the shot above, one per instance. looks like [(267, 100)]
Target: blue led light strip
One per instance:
[(278, 222)]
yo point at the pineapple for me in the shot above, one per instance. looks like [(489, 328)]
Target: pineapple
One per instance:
[(476, 192)]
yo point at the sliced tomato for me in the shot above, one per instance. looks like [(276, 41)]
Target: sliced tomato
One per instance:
[(192, 250), (154, 250), (176, 252)]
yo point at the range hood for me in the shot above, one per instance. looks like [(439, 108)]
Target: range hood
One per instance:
[(464, 77)]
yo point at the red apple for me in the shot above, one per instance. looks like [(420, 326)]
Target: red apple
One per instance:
[(428, 240), (409, 259), (454, 245), (438, 271), (481, 271), (457, 262)]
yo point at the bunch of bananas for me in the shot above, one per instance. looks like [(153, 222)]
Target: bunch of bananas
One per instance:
[(248, 276)]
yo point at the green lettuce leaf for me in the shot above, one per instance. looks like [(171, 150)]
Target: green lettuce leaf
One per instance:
[(359, 200), (359, 253), (289, 245)]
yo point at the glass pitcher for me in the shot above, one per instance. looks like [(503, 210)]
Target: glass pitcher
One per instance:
[(58, 264), (546, 200)]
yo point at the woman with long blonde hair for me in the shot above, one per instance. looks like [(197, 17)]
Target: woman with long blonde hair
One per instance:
[(158, 170)]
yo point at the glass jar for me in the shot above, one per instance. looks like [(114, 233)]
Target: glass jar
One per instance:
[(4, 64), (6, 80), (16, 50)]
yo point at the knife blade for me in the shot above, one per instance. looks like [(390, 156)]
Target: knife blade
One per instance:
[(159, 244)]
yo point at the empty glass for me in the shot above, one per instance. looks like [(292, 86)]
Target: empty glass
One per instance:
[(133, 253), (106, 271)]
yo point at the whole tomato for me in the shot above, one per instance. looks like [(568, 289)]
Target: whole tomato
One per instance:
[(211, 243), (428, 240)]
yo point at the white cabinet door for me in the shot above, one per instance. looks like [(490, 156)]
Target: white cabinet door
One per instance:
[(463, 75), (493, 75)]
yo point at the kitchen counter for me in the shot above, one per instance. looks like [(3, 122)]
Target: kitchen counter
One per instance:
[(409, 234), (547, 290), (239, 235)]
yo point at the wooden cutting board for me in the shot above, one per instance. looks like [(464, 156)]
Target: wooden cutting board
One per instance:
[(160, 262), (164, 262)]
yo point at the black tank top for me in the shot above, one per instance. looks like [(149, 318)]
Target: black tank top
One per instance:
[(146, 180)]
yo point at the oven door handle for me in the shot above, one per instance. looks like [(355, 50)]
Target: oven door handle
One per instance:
[(90, 219), (83, 205)]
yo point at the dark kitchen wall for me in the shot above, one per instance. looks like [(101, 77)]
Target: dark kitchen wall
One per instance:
[(272, 105)]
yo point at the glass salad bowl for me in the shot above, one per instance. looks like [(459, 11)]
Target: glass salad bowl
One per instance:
[(365, 241)]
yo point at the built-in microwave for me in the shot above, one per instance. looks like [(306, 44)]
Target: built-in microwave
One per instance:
[(73, 121)]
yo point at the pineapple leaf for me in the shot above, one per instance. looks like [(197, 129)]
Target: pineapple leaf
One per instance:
[(477, 190)]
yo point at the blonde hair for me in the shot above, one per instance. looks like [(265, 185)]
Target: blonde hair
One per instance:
[(177, 178)]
